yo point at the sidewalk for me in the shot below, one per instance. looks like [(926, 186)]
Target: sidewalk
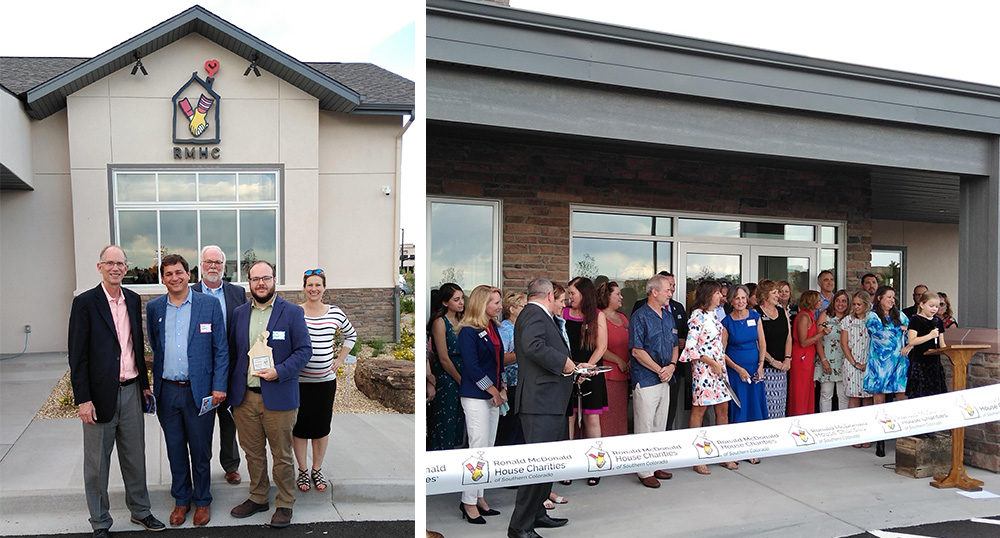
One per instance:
[(369, 463), (827, 494)]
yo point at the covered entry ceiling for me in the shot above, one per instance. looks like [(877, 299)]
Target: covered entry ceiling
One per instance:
[(915, 196)]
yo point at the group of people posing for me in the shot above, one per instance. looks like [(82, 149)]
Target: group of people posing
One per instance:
[(744, 341), (201, 337)]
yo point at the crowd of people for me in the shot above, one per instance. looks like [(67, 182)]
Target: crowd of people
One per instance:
[(491, 365), (200, 337)]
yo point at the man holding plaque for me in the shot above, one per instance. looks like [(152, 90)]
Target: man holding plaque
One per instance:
[(268, 343), (190, 372)]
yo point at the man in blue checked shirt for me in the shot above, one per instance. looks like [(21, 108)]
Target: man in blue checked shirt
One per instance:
[(654, 345)]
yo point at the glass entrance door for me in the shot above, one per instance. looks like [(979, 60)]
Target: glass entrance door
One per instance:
[(740, 264), (697, 262), (796, 265)]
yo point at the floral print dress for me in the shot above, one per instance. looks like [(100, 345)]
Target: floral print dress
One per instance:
[(887, 366), (705, 338), (834, 354)]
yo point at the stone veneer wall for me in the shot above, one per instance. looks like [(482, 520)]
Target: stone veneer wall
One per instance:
[(369, 309), (538, 180), (982, 442)]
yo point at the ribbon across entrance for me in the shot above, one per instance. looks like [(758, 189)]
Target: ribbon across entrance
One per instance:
[(493, 467)]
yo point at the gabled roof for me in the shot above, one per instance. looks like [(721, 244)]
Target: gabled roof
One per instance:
[(43, 83)]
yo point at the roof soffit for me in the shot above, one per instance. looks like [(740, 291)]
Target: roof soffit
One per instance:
[(50, 96)]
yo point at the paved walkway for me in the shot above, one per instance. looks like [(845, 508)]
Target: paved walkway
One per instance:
[(369, 462), (832, 493)]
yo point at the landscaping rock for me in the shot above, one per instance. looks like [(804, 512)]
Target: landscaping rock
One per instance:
[(387, 381)]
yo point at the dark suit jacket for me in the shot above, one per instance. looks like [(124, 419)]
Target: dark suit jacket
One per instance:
[(291, 348), (207, 347), (541, 356), (94, 351), (235, 296)]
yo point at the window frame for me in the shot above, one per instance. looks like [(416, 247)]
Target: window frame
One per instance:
[(497, 205), (115, 207)]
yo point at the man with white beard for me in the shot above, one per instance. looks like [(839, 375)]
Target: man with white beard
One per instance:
[(213, 267)]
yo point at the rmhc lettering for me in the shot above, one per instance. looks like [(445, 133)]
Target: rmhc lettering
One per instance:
[(196, 153)]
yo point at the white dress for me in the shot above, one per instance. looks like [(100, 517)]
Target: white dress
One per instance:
[(857, 340)]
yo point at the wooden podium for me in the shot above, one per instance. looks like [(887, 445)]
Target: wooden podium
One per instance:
[(959, 355)]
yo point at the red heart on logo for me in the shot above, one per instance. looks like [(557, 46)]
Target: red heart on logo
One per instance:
[(212, 66)]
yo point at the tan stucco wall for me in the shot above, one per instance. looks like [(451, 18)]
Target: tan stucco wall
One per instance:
[(15, 137), (127, 120), (360, 227), (36, 247), (931, 255)]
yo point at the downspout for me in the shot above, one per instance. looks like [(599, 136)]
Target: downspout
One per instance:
[(396, 241)]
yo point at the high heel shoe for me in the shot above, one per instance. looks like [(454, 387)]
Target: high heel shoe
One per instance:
[(880, 449), (465, 515), (488, 511)]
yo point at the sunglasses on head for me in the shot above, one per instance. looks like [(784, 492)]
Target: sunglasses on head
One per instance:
[(313, 272)]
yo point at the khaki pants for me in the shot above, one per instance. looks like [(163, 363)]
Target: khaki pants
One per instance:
[(649, 411), (258, 427)]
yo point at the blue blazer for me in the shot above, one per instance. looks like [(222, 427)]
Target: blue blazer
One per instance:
[(208, 352), (479, 360), (290, 354)]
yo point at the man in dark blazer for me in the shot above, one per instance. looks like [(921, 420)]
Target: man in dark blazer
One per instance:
[(110, 383), (265, 402), (542, 398), (213, 267), (190, 364)]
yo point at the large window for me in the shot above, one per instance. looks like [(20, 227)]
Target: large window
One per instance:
[(463, 242), (177, 212), (629, 246)]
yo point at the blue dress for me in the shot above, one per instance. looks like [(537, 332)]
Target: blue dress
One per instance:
[(446, 418), (887, 367), (741, 347)]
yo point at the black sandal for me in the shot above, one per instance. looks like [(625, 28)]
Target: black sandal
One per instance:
[(303, 480), (318, 479)]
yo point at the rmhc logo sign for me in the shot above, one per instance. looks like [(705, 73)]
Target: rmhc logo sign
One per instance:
[(196, 111)]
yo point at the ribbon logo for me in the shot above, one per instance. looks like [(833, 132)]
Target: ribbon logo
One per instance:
[(801, 435), (196, 108), (598, 459), (476, 470), (705, 447)]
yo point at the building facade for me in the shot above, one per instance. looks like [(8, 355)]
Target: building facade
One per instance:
[(195, 133), (560, 147)]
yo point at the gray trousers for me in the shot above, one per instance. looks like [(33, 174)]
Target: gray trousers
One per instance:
[(125, 429)]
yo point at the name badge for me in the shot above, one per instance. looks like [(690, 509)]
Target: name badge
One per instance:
[(674, 331), (278, 335), (482, 334), (205, 328), (751, 323)]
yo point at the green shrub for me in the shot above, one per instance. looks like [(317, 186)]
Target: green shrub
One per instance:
[(407, 306), (377, 345)]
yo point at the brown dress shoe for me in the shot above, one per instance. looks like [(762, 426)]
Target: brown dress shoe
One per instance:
[(650, 482), (233, 477), (202, 514), (663, 475), (282, 517), (178, 516), (248, 508)]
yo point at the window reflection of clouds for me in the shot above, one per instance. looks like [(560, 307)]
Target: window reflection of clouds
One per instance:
[(256, 187), (138, 240), (717, 228), (177, 187), (179, 234), (136, 187), (257, 232), (717, 264), (217, 187), (219, 228), (604, 222), (617, 259), (829, 234), (884, 258), (461, 243)]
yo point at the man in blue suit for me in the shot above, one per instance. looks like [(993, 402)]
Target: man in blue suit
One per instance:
[(265, 402), (213, 268), (190, 363)]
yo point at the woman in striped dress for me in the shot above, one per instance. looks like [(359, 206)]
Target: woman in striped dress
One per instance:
[(318, 380)]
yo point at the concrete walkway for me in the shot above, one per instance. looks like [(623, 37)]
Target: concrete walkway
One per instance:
[(832, 493), (369, 462)]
